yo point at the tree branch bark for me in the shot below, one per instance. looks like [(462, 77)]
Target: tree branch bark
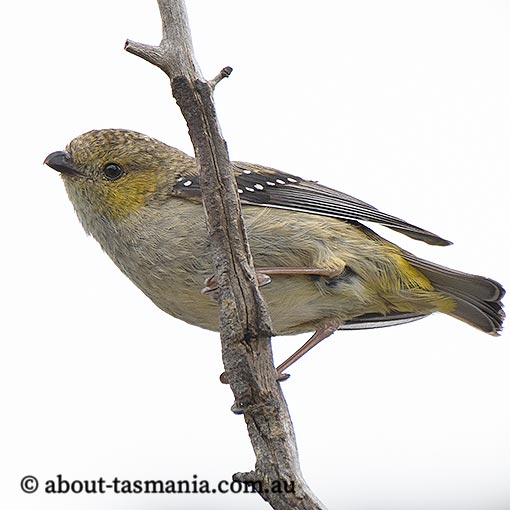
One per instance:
[(244, 320)]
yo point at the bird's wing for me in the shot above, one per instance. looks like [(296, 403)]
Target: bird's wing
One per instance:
[(262, 186)]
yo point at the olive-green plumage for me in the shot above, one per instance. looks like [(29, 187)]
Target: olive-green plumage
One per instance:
[(140, 199)]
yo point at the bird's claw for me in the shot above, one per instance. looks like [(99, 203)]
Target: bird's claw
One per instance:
[(279, 377), (211, 284)]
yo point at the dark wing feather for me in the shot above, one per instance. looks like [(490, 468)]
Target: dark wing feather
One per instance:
[(374, 320), (262, 186)]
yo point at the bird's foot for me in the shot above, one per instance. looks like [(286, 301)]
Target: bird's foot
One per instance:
[(211, 286), (279, 377)]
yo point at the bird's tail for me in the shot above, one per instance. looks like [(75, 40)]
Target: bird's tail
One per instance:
[(477, 299)]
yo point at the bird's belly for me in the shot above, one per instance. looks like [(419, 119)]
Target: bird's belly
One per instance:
[(294, 306), (296, 303), (171, 267)]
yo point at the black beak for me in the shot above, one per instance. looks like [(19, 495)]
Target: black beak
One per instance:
[(62, 162)]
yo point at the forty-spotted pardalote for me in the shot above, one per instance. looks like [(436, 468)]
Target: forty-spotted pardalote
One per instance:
[(320, 268)]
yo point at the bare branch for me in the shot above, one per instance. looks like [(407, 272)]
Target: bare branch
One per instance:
[(244, 321), (174, 55)]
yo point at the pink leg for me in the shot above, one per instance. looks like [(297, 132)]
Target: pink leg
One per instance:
[(323, 332), (327, 329), (263, 273)]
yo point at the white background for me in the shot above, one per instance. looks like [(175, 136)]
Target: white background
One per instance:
[(403, 104)]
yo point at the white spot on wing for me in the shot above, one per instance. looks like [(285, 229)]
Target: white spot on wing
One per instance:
[(279, 181), (248, 189), (187, 183), (258, 186), (240, 190), (290, 179), (269, 183), (246, 171)]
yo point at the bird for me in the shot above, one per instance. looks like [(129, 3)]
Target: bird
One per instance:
[(319, 266)]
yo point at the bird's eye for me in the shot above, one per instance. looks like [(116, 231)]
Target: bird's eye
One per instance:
[(113, 171)]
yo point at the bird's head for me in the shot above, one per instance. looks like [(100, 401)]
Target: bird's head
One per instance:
[(112, 173)]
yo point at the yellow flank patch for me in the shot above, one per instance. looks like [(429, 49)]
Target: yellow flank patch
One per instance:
[(411, 277), (129, 193), (413, 280)]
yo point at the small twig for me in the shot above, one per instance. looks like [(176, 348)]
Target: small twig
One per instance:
[(152, 54), (244, 319), (224, 73)]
